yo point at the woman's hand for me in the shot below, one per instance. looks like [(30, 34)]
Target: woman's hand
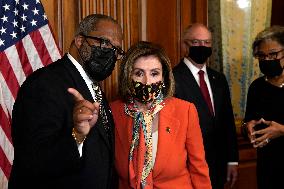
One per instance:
[(249, 127), (274, 130)]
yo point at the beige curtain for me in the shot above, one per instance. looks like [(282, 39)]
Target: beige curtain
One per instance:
[(234, 24)]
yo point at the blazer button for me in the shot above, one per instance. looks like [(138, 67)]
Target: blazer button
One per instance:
[(168, 129)]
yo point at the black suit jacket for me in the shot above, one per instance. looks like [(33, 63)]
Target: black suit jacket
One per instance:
[(219, 132), (46, 155)]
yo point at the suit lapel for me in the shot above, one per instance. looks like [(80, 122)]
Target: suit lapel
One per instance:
[(100, 125), (125, 135), (167, 132), (79, 83), (81, 86), (193, 87), (214, 87), (193, 90)]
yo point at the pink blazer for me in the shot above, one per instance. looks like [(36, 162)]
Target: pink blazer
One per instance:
[(180, 159)]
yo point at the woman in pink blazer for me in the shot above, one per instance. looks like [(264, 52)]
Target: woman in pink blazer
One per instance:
[(158, 142)]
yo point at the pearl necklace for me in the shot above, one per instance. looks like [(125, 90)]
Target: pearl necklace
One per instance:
[(281, 85)]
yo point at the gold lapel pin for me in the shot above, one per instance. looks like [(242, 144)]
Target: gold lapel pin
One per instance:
[(168, 129)]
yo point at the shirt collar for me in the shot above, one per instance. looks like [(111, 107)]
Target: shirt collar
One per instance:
[(80, 69), (194, 70)]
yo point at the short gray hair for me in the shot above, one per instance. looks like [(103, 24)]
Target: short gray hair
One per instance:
[(275, 33), (89, 23)]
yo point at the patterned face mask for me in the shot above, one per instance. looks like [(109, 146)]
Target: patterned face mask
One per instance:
[(101, 63), (146, 93)]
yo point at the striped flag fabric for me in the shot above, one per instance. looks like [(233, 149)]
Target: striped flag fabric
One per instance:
[(26, 44)]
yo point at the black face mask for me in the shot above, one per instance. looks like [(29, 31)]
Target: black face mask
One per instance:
[(101, 63), (199, 54), (270, 68)]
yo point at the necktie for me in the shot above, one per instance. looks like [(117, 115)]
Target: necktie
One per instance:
[(205, 92), (102, 112)]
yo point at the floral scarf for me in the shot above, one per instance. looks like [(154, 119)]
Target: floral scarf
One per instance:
[(140, 155)]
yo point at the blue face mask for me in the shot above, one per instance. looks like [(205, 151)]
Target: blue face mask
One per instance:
[(270, 68)]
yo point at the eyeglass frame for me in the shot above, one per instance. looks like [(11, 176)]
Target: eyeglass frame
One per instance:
[(198, 42), (119, 52), (270, 56)]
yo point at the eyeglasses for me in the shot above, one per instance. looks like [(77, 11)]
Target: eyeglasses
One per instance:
[(271, 56), (197, 42), (105, 43)]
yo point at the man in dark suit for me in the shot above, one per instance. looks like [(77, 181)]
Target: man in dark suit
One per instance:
[(209, 91), (51, 150)]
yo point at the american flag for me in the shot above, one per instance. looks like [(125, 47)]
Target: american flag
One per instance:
[(26, 44)]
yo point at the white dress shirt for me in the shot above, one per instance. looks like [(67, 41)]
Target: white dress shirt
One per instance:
[(89, 83), (194, 70)]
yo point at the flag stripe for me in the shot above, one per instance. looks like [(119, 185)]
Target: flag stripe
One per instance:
[(34, 59), (6, 97), (3, 180), (14, 60), (5, 164), (40, 47), (5, 123), (7, 147), (8, 74), (50, 44), (23, 58)]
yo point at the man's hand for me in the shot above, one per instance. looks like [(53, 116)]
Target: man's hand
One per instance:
[(232, 175), (85, 114)]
